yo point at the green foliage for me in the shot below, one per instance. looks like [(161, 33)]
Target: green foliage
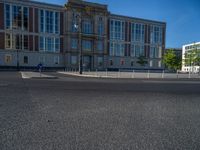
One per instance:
[(142, 60), (171, 61)]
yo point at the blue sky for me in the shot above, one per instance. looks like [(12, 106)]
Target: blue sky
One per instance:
[(182, 16)]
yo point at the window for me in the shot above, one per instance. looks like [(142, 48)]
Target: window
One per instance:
[(8, 19), (49, 21), (49, 44), (42, 20), (117, 49), (56, 60), (132, 50), (122, 62), (100, 27), (139, 50), (25, 18), (57, 22), (17, 17), (87, 27), (120, 49), (17, 41), (57, 44), (117, 30), (154, 52), (25, 59), (87, 45), (8, 41), (42, 44), (74, 43), (137, 32), (74, 60), (100, 45), (156, 34), (8, 59), (111, 52), (100, 61), (111, 62), (26, 42)]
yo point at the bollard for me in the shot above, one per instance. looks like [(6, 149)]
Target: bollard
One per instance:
[(177, 74), (148, 74), (96, 73), (189, 75), (133, 76), (163, 73), (40, 70), (119, 73), (106, 72)]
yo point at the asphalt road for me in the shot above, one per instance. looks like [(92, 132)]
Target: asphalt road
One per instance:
[(71, 113)]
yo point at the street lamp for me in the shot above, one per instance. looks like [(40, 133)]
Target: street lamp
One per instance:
[(78, 27)]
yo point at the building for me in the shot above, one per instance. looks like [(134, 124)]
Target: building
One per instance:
[(177, 51), (189, 53), (30, 32), (61, 36)]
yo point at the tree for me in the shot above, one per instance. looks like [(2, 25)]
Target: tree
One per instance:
[(142, 60), (171, 60)]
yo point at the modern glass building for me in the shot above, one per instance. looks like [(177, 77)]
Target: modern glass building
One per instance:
[(58, 36)]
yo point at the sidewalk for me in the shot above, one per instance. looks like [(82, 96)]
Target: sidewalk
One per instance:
[(36, 75), (136, 75)]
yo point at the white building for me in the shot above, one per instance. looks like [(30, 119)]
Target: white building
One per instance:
[(190, 67)]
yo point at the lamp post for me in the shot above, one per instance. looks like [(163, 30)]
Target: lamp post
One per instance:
[(80, 43), (77, 26)]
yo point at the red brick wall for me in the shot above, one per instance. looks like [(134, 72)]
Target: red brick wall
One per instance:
[(108, 30), (31, 42), (146, 34), (2, 40), (163, 35), (149, 34), (36, 20), (36, 43), (61, 23), (129, 31), (1, 16), (146, 51), (126, 31), (61, 45), (30, 19)]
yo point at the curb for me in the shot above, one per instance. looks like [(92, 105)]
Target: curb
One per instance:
[(115, 77), (43, 77)]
